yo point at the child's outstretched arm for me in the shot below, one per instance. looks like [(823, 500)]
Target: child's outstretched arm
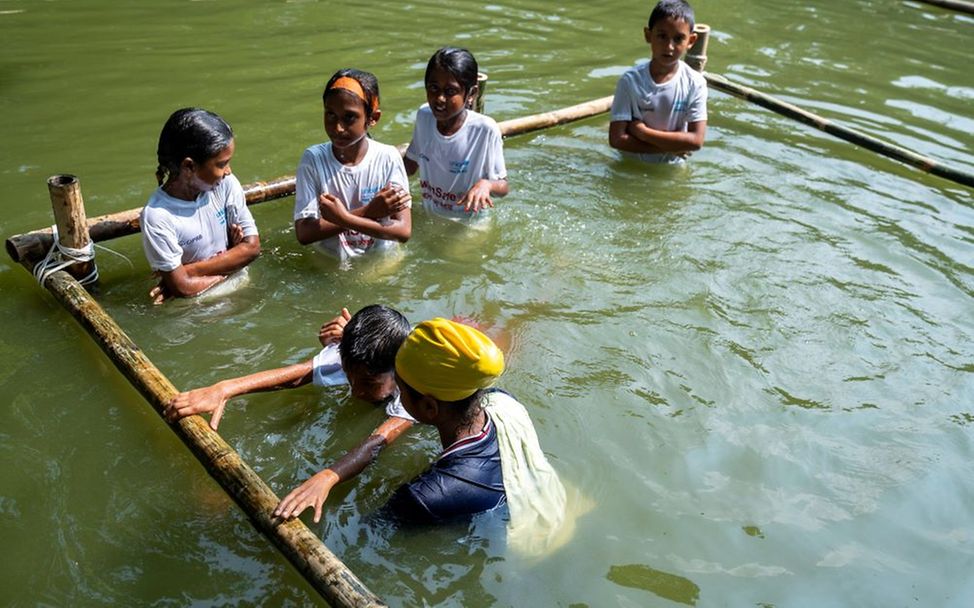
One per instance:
[(314, 491), (214, 398), (676, 142)]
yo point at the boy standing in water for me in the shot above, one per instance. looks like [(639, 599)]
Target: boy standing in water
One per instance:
[(659, 111)]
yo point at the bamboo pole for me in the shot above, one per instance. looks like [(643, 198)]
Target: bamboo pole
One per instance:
[(69, 216), (36, 243), (320, 567), (850, 135), (476, 103), (527, 124), (696, 57), (957, 5)]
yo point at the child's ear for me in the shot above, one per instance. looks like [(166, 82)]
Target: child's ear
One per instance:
[(376, 114), (471, 98), (427, 408), (691, 40), (188, 165), (648, 35)]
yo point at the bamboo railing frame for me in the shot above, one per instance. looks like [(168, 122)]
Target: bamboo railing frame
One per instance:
[(307, 553), (323, 570)]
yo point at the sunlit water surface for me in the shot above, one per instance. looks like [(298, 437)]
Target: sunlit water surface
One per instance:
[(758, 367)]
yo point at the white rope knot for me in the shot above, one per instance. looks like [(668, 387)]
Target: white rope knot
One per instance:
[(60, 257)]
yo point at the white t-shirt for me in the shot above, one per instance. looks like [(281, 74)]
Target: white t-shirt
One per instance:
[(320, 172), (450, 165), (666, 107), (327, 370), (177, 232)]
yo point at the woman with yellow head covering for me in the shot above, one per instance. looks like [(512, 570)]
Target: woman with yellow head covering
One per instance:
[(491, 455)]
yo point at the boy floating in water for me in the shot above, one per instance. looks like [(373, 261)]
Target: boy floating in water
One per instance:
[(359, 350), (660, 108)]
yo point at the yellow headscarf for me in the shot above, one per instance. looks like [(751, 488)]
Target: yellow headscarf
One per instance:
[(448, 360)]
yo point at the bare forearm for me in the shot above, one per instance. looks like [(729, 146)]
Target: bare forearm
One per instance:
[(399, 229), (311, 230), (499, 187), (621, 139), (668, 141), (291, 376), (355, 460), (230, 261), (180, 284)]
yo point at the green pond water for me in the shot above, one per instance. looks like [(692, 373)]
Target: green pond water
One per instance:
[(757, 370)]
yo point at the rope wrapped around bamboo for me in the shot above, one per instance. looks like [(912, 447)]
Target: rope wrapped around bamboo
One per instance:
[(319, 566)]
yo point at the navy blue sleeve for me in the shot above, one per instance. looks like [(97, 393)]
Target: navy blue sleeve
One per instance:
[(406, 506)]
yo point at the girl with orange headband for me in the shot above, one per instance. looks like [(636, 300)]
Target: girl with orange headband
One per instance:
[(352, 194)]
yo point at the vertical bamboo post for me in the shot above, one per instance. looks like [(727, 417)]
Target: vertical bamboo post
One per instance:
[(69, 216), (476, 103), (697, 55)]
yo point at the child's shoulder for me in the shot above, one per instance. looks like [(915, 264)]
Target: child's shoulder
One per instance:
[(476, 120), (384, 150), (640, 71), (316, 152), (697, 78)]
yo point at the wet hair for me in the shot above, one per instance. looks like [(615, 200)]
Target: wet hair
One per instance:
[(678, 10), (372, 338), (370, 85), (190, 133), (459, 63)]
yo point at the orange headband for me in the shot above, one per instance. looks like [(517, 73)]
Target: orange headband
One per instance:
[(354, 87)]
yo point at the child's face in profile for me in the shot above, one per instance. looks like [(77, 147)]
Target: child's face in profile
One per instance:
[(446, 95), (371, 387), (669, 39), (345, 121)]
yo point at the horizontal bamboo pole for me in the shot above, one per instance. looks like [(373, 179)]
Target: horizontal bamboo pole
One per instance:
[(36, 243), (319, 566), (850, 135), (527, 124), (957, 5)]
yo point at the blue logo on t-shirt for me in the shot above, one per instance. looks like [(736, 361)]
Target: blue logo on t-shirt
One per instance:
[(221, 216), (368, 193), (680, 105), (459, 166)]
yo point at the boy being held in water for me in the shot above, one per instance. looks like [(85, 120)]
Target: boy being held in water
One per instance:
[(359, 350), (660, 108)]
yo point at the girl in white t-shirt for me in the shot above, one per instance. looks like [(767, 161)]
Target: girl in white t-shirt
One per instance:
[(459, 153), (196, 228), (352, 193)]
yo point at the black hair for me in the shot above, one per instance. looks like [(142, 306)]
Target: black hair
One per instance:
[(678, 10), (190, 133), (372, 338), (458, 62), (370, 85)]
